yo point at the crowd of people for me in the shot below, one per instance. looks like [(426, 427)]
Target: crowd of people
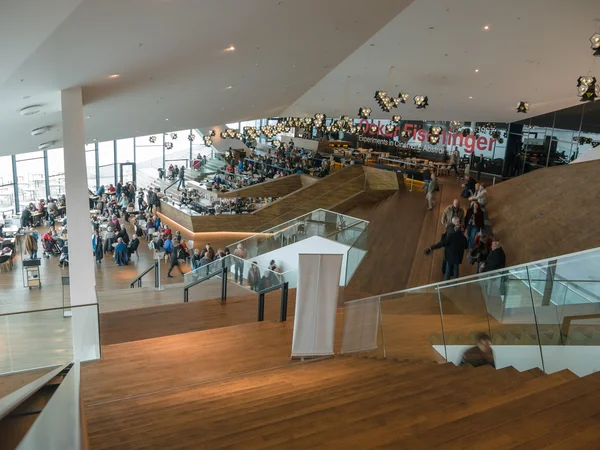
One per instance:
[(465, 231), (46, 211), (203, 258)]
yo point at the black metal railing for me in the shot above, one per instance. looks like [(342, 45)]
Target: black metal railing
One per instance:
[(170, 186), (138, 280), (223, 272), (283, 304)]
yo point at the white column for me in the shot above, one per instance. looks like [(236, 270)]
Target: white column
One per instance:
[(81, 264)]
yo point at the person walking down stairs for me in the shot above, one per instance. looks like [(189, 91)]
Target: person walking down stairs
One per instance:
[(431, 189)]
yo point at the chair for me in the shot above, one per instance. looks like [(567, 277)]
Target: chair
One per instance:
[(5, 263)]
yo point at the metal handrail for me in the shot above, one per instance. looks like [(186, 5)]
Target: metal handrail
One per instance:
[(14, 399), (170, 186), (61, 424), (283, 305), (140, 276), (223, 272)]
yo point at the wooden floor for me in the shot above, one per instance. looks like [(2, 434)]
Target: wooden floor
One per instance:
[(110, 279), (344, 402), (151, 322), (394, 227)]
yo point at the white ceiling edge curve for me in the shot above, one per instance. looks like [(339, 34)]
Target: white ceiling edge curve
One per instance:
[(172, 62), (532, 50)]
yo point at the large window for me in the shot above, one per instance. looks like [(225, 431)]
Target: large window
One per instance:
[(7, 188), (149, 157), (31, 177), (179, 151), (90, 163), (56, 172), (106, 160)]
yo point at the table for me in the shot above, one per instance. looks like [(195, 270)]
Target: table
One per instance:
[(11, 231), (36, 218)]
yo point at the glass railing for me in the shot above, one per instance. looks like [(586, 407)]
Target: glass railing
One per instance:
[(49, 337), (320, 222), (247, 274), (544, 314)]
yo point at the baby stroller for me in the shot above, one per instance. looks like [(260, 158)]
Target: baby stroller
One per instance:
[(50, 248)]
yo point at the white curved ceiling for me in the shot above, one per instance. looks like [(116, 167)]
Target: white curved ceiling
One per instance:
[(293, 56), (533, 50), (171, 60)]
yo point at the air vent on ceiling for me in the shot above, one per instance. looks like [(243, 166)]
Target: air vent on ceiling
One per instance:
[(46, 145), (40, 131), (31, 110)]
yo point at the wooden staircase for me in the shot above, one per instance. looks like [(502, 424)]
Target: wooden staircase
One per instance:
[(349, 402)]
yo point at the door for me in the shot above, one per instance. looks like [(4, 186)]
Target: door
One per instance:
[(127, 173)]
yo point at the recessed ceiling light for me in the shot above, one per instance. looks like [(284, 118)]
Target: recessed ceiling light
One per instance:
[(45, 145), (231, 48), (95, 139), (470, 97), (40, 131), (30, 110), (166, 119), (487, 27), (476, 70), (114, 75), (88, 117), (228, 87)]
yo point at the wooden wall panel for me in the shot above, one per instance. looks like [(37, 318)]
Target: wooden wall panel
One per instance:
[(325, 193), (378, 179), (273, 188)]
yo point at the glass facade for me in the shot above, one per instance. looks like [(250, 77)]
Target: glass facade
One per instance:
[(29, 177)]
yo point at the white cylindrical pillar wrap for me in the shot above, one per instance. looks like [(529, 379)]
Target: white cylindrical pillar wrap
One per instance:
[(81, 264)]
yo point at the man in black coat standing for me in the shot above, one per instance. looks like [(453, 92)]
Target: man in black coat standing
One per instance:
[(495, 260), (454, 243)]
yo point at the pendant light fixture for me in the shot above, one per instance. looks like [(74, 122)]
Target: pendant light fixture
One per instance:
[(522, 107), (587, 88)]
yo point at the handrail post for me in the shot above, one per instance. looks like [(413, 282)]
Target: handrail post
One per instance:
[(185, 295), (157, 285), (284, 302), (261, 307), (224, 272)]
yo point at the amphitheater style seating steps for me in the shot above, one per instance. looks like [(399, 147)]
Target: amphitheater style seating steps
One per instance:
[(353, 402)]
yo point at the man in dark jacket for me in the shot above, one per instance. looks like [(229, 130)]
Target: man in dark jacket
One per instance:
[(174, 261), (495, 260), (181, 178), (454, 244)]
